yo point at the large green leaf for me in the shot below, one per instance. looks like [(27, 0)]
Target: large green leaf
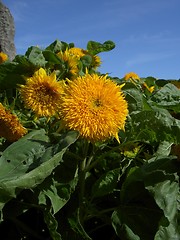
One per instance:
[(168, 96), (162, 181), (23, 155), (154, 125), (36, 57), (59, 187), (27, 162), (149, 201)]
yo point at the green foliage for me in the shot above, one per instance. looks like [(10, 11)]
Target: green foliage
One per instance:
[(57, 46), (168, 96), (156, 125), (149, 201), (75, 189), (10, 75), (96, 47)]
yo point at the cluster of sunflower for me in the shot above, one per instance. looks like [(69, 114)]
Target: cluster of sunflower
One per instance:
[(85, 100)]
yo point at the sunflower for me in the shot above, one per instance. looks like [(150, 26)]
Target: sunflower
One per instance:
[(79, 53), (10, 127), (71, 60), (94, 106), (42, 93), (96, 61), (131, 76), (3, 57)]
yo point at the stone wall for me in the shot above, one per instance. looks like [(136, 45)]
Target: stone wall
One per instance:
[(7, 32)]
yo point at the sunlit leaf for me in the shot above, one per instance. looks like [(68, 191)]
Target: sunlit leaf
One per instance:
[(57, 46), (35, 56), (155, 126), (96, 47), (106, 183), (168, 96)]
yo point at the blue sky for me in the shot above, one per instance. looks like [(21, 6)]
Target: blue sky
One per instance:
[(146, 32)]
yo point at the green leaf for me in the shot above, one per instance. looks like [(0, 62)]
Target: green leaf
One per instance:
[(156, 125), (35, 56), (106, 183), (96, 47), (134, 97), (150, 80), (58, 187), (31, 161), (164, 148), (168, 97), (58, 193), (149, 201), (52, 225), (10, 75), (162, 181), (57, 46), (51, 57), (166, 232), (25, 67), (23, 155), (86, 61), (135, 222)]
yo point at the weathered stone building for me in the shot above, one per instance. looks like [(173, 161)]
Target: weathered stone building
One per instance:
[(7, 32)]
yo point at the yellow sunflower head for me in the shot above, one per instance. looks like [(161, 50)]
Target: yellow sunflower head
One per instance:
[(71, 60), (96, 61), (3, 57), (79, 53), (10, 127), (94, 106), (42, 93), (131, 76)]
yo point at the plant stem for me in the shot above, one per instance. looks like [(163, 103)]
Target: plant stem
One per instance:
[(82, 178)]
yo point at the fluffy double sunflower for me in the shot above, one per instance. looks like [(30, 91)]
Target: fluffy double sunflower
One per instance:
[(10, 126), (94, 106), (42, 93)]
